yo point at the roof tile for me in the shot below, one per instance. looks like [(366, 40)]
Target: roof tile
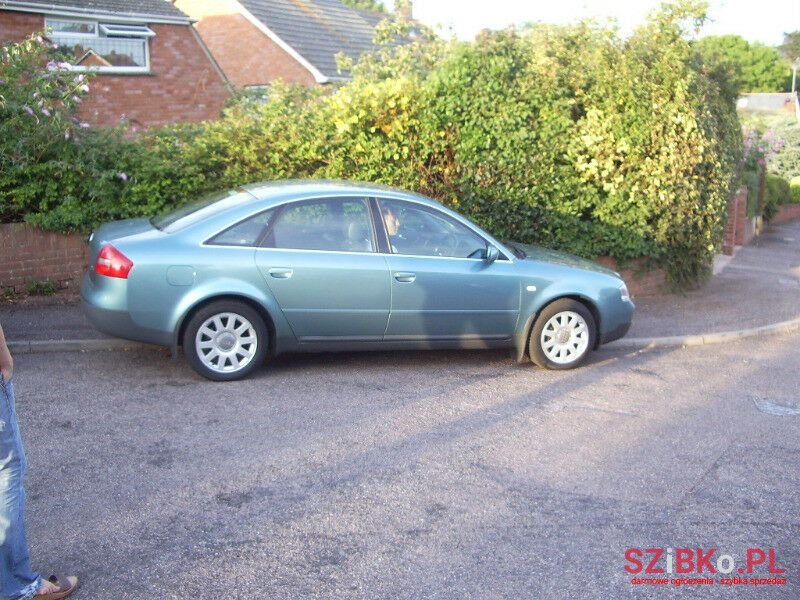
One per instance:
[(318, 29)]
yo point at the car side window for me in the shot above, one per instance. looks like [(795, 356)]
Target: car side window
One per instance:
[(420, 231), (333, 224), (244, 233)]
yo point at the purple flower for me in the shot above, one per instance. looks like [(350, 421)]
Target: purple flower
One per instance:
[(45, 112), (28, 110), (123, 176), (64, 65), (76, 99), (51, 66), (79, 78), (66, 134), (85, 126), (2, 81)]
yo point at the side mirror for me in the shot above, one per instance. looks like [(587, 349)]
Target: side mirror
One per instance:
[(491, 254)]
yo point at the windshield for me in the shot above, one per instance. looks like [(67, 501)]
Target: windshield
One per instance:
[(193, 212)]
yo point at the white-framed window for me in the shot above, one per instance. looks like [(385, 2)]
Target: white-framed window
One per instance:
[(102, 47)]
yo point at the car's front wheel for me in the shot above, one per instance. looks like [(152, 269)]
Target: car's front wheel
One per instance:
[(563, 335), (225, 340)]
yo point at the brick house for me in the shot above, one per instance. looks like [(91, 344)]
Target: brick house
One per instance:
[(152, 66), (259, 41)]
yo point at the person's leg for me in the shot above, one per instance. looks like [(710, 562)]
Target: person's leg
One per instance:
[(18, 581)]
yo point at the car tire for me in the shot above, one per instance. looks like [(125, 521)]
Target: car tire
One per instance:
[(563, 335), (226, 340)]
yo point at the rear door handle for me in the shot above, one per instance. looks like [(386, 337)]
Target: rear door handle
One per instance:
[(280, 272), (405, 277)]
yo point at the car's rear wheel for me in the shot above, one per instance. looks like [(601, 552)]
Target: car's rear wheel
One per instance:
[(563, 335), (226, 340)]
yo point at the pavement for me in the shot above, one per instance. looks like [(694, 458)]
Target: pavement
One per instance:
[(411, 475), (755, 293)]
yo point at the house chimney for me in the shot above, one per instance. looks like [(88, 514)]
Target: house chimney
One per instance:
[(402, 9)]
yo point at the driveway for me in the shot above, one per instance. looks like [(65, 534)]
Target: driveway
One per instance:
[(411, 475)]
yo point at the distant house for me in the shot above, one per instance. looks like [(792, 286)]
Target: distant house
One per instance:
[(258, 41), (152, 67), (776, 103)]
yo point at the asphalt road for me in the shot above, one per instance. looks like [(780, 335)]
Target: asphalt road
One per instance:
[(410, 475)]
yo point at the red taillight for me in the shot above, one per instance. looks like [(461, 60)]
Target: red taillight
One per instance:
[(112, 263)]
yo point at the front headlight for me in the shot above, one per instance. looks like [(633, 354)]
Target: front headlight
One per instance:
[(623, 292)]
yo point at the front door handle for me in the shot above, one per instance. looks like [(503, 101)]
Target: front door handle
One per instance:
[(405, 277), (280, 272)]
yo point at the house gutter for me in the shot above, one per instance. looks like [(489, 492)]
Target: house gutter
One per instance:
[(74, 11)]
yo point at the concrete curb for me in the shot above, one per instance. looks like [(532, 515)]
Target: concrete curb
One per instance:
[(93, 345), (706, 339)]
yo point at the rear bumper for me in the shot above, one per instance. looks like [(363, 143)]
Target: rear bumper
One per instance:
[(105, 310)]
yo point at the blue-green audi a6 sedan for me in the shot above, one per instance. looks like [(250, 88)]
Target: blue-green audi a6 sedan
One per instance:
[(314, 265)]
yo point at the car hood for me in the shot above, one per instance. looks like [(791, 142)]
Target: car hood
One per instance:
[(540, 254)]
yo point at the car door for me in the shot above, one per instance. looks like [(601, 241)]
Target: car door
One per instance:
[(319, 261), (442, 287)]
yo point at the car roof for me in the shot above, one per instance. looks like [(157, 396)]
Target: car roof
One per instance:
[(268, 194), (280, 191)]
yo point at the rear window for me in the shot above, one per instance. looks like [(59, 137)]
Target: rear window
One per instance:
[(196, 211)]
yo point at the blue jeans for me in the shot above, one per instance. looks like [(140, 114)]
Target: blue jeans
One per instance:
[(18, 581)]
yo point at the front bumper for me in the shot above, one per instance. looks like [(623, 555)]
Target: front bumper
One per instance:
[(617, 321), (616, 333)]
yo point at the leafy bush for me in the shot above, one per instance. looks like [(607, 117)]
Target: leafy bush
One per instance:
[(747, 67), (371, 5), (786, 163), (794, 190), (760, 150), (570, 137), (43, 287), (785, 133), (777, 192), (528, 135), (53, 167)]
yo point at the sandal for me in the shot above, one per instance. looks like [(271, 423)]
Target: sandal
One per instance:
[(66, 585)]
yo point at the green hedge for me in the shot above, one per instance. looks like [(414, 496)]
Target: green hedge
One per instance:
[(786, 162), (570, 137), (776, 193)]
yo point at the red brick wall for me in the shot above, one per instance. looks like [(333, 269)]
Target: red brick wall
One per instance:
[(735, 228), (16, 26), (246, 55), (744, 227), (640, 277), (182, 85), (30, 254), (787, 212)]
